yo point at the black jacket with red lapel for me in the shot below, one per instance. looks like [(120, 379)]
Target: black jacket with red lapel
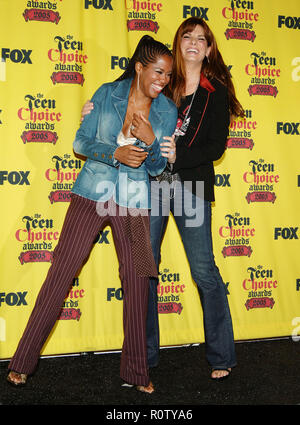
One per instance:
[(205, 139)]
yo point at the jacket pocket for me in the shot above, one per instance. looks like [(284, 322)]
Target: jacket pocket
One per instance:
[(94, 182), (133, 188), (93, 167)]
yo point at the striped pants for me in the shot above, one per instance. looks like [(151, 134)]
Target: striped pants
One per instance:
[(81, 226)]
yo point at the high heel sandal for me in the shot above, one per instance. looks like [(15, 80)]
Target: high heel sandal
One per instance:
[(16, 378), (143, 389), (149, 389)]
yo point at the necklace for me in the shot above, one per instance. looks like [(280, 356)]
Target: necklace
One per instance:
[(177, 135), (166, 174)]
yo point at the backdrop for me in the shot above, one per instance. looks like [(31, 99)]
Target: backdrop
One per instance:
[(55, 54)]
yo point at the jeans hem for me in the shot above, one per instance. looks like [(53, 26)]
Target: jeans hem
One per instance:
[(223, 367)]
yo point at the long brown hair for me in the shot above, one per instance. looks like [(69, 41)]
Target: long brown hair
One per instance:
[(213, 67)]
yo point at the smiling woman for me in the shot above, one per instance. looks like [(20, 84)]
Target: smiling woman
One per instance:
[(201, 87), (152, 75), (155, 76), (121, 140), (194, 45)]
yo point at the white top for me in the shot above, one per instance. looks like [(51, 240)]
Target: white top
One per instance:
[(123, 141)]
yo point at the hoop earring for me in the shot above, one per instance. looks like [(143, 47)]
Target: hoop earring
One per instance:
[(207, 58)]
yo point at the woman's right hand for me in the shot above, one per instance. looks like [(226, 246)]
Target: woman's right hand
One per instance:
[(86, 109), (130, 155)]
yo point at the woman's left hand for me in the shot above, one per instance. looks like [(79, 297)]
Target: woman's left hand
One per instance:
[(168, 149)]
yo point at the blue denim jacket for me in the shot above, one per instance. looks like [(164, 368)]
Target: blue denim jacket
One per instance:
[(102, 177)]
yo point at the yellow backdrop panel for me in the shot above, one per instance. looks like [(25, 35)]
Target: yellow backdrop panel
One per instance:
[(54, 55)]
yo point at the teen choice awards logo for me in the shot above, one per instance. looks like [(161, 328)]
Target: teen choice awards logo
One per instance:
[(70, 309), (169, 291), (262, 179), (264, 73), (142, 15), (241, 17), (41, 118), (43, 11), (241, 132), (237, 234), (69, 59), (62, 174), (37, 236), (260, 285)]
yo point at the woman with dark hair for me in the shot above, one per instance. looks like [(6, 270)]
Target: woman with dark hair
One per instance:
[(121, 139), (203, 91)]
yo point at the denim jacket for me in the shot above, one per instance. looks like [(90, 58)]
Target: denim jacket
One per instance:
[(102, 177)]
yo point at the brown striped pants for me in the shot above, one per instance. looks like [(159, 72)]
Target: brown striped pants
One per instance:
[(81, 226)]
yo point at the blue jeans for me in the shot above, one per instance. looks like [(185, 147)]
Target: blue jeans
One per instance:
[(197, 240)]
